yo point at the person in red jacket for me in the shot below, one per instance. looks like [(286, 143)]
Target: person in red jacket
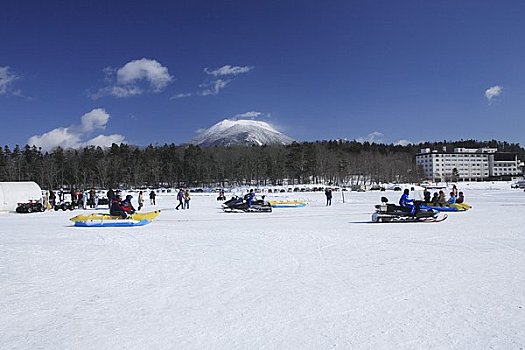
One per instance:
[(126, 205)]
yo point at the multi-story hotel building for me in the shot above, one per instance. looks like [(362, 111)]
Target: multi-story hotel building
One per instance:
[(468, 164)]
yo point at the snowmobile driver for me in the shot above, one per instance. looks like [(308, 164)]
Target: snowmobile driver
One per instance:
[(408, 203), (249, 198)]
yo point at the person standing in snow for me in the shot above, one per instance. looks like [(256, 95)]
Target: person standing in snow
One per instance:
[(92, 193), (180, 198), (96, 200), (141, 200), (84, 199), (328, 194), (187, 199), (110, 194), (52, 198), (152, 196)]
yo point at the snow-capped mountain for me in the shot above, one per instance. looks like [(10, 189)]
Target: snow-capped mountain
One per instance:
[(240, 132)]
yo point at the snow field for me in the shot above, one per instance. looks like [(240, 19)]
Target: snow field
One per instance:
[(298, 278)]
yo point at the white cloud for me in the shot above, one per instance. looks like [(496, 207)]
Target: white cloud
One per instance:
[(7, 78), (96, 119), (228, 70), (492, 92), (134, 78), (59, 137), (374, 137), (75, 136), (250, 115), (144, 69), (117, 91), (189, 94), (213, 87)]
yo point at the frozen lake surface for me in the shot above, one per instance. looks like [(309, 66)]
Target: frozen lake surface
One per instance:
[(305, 278)]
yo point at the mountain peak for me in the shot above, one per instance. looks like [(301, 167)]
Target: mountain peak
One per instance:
[(230, 132)]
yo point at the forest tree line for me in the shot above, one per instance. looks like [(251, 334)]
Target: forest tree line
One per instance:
[(321, 162)]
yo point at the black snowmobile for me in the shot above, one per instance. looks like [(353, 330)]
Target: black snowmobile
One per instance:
[(239, 205), (388, 212), (30, 207)]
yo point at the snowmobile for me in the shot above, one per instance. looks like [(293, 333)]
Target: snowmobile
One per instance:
[(238, 205), (64, 206), (388, 212), (30, 207)]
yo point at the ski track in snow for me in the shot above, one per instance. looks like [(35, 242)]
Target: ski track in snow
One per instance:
[(305, 278)]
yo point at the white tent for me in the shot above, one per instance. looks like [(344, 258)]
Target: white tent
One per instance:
[(12, 193)]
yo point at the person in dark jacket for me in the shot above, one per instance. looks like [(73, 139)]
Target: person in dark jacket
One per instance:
[(426, 196), (127, 206), (435, 199), (152, 196), (250, 197), (110, 194), (180, 198), (328, 194), (461, 198), (116, 209)]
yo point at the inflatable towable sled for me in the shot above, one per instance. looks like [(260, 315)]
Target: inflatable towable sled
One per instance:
[(106, 220), (388, 212), (287, 203), (450, 207), (239, 205)]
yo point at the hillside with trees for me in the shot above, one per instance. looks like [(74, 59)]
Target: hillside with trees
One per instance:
[(338, 162)]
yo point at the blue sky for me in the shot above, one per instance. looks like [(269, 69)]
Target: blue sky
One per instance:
[(76, 73)]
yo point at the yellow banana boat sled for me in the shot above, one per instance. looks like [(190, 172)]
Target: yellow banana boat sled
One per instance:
[(287, 203), (106, 220)]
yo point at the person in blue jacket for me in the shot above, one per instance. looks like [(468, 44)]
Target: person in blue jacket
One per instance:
[(452, 199), (249, 198), (406, 202)]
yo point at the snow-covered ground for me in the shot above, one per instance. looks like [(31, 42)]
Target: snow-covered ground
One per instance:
[(306, 278)]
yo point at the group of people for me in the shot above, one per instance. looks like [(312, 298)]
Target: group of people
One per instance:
[(184, 199), (410, 201), (122, 207), (439, 198), (80, 199)]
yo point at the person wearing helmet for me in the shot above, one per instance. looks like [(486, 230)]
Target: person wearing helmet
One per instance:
[(116, 208), (126, 205)]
